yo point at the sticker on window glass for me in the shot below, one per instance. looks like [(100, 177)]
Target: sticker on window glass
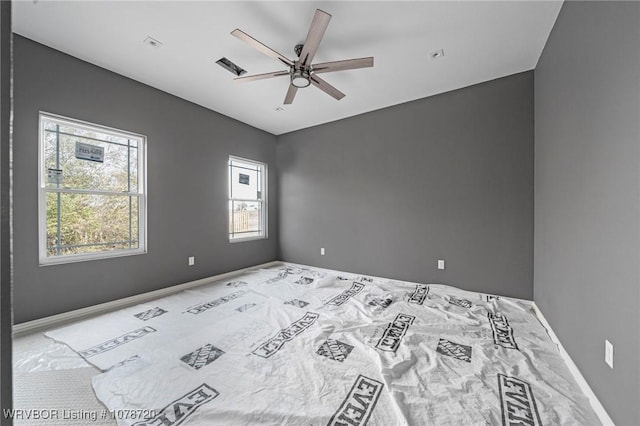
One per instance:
[(85, 151), (244, 179), (54, 176)]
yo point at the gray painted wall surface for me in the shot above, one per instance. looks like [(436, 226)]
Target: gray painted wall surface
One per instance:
[(187, 152), (6, 320), (587, 186), (389, 192)]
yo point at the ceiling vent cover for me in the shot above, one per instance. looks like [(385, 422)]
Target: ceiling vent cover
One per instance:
[(152, 42), (230, 66)]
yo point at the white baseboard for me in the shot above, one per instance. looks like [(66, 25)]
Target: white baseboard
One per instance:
[(573, 368), (59, 319)]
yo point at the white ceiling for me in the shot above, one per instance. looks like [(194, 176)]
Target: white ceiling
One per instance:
[(482, 40)]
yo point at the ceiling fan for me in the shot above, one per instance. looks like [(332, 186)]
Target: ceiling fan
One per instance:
[(302, 72)]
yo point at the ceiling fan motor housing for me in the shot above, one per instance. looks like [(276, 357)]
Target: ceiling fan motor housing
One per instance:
[(299, 76)]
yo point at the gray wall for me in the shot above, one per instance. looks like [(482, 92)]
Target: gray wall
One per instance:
[(188, 149), (6, 321), (587, 186), (389, 192)]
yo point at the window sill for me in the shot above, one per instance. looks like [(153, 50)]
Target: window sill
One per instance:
[(51, 261), (241, 240)]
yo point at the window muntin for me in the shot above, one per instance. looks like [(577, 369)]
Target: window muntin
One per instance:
[(90, 206), (247, 200)]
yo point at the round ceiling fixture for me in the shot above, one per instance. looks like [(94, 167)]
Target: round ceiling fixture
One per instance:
[(300, 78)]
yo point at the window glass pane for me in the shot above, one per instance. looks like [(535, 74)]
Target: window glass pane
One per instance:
[(88, 223), (117, 170), (87, 134), (108, 163), (245, 219), (48, 124), (133, 169), (134, 217), (245, 181), (246, 199)]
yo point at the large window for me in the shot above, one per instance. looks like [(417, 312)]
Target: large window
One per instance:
[(92, 191), (247, 199)]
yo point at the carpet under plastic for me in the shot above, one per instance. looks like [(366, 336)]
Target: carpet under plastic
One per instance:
[(304, 346)]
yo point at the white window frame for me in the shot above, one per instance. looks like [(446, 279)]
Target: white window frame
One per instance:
[(263, 200), (42, 193)]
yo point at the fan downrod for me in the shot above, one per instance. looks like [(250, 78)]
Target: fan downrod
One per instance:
[(298, 49)]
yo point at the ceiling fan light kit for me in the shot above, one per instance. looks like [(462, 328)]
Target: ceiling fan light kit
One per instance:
[(302, 73), (300, 78)]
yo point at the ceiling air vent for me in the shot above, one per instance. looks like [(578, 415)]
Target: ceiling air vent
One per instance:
[(153, 42), (230, 66), (437, 54)]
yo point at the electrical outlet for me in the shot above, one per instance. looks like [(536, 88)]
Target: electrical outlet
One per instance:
[(192, 260), (440, 264), (322, 251), (608, 353)]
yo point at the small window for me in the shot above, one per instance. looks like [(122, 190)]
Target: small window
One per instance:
[(91, 201), (247, 199)]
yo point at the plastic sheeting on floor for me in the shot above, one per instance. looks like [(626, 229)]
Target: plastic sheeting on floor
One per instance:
[(304, 346), (34, 353)]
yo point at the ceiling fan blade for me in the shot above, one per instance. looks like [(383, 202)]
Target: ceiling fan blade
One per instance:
[(291, 93), (261, 76), (326, 87), (348, 64), (261, 47), (316, 32)]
